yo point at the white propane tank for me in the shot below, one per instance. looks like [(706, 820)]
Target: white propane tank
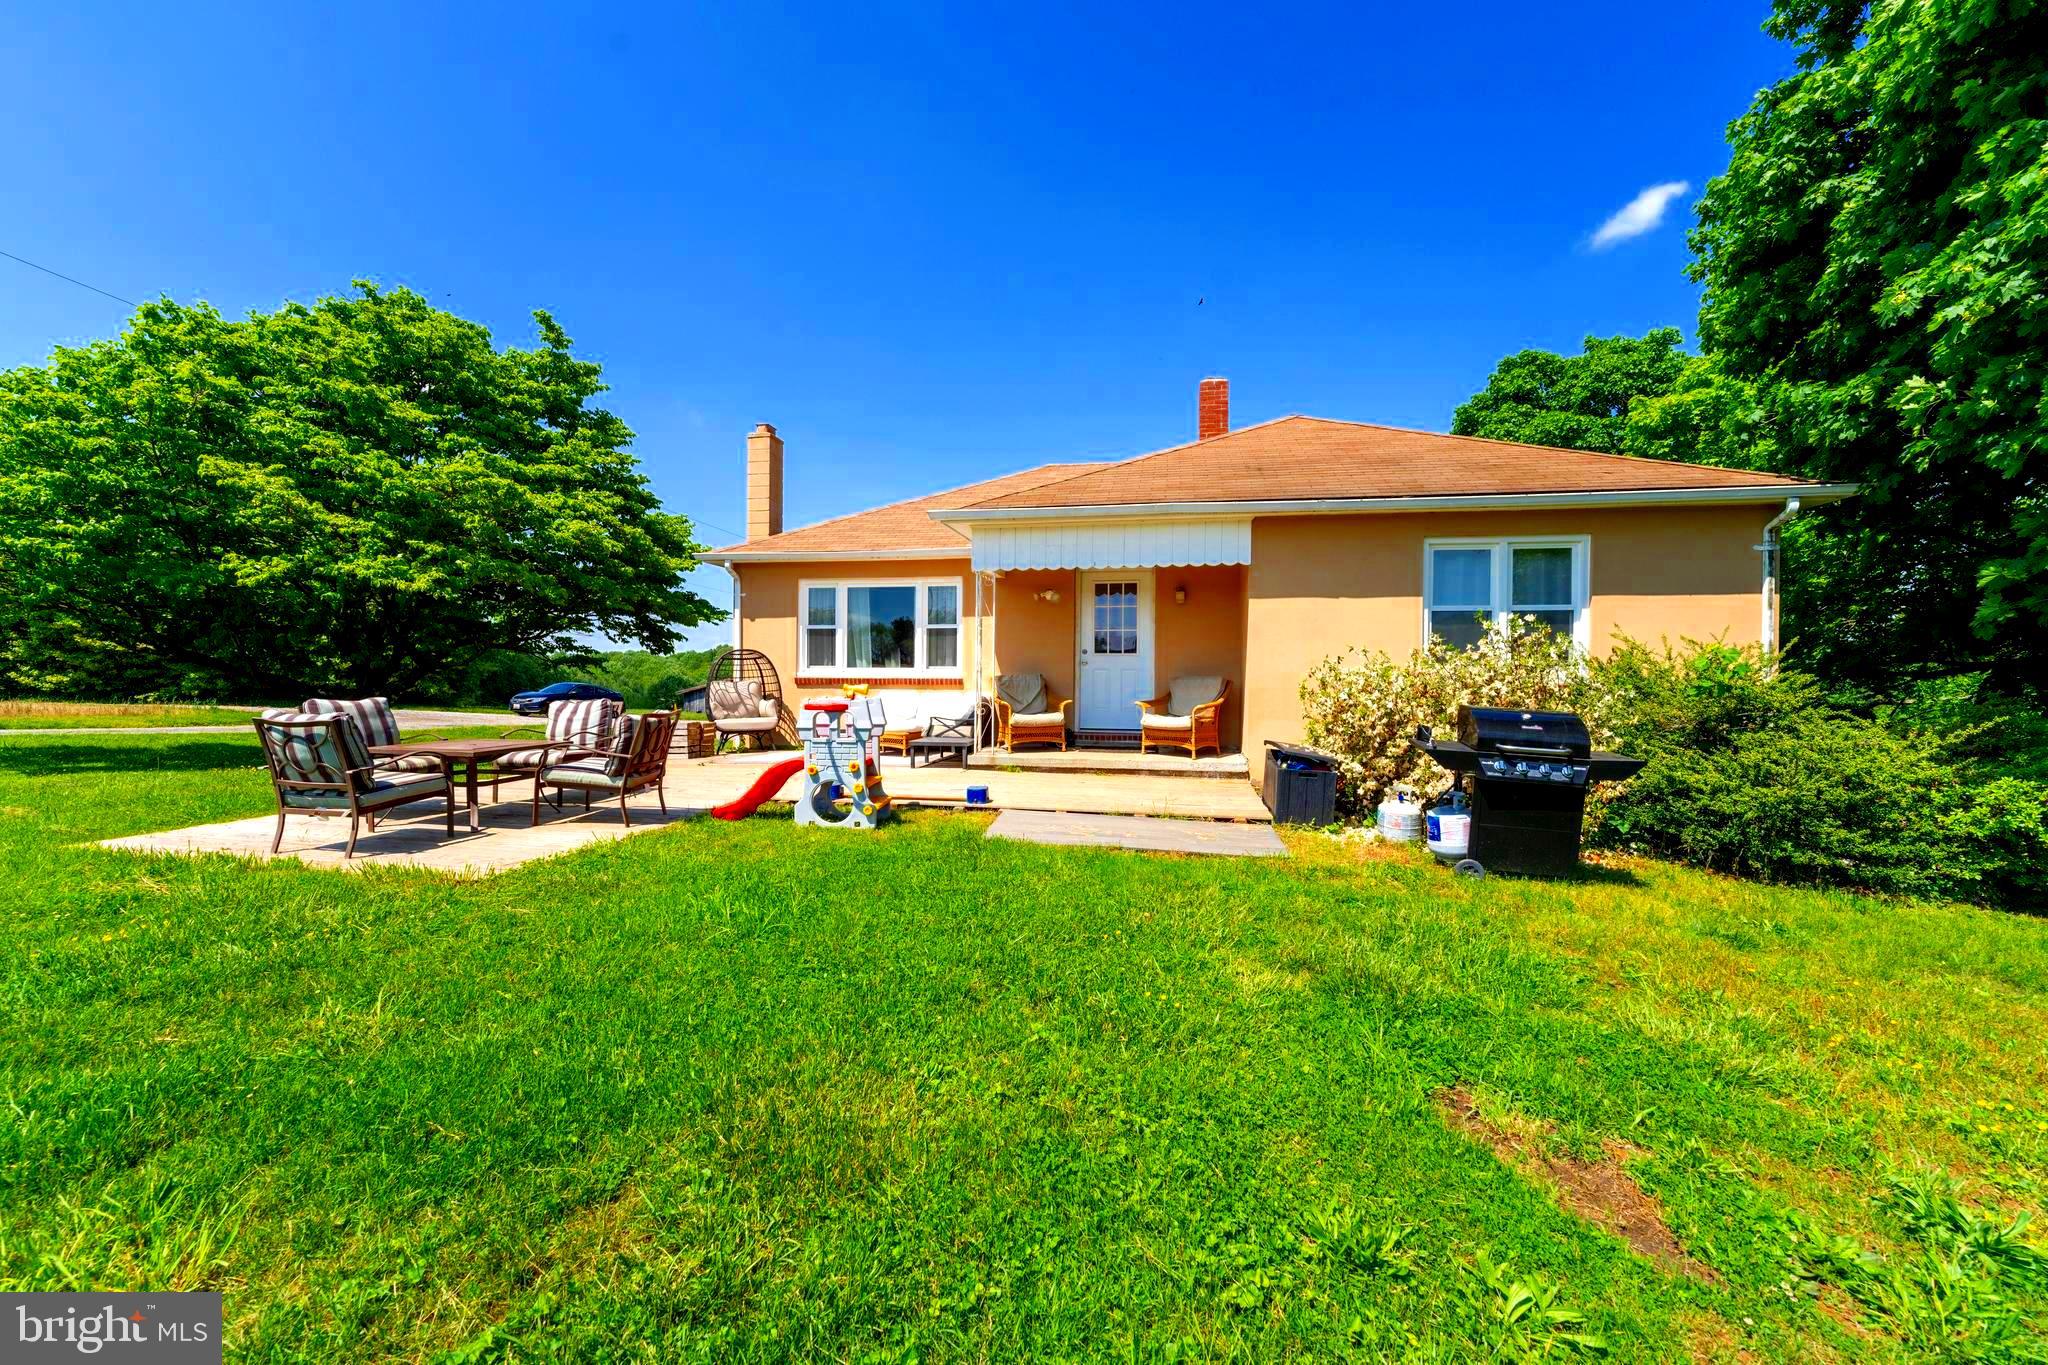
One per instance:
[(1400, 819), (1450, 829)]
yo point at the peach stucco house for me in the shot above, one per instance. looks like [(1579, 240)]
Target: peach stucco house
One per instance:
[(1249, 554)]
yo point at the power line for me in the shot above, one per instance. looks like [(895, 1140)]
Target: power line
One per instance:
[(68, 279)]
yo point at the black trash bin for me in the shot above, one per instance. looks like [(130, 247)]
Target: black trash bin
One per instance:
[(1301, 784)]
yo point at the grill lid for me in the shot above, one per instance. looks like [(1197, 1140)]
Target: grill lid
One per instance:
[(1528, 734)]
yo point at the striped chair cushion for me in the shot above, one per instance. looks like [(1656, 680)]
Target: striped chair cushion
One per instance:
[(523, 758), (372, 717), (596, 771), (586, 724), (409, 763), (305, 750), (389, 790)]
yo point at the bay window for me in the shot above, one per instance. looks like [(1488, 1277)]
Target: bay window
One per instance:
[(882, 627), (1469, 582)]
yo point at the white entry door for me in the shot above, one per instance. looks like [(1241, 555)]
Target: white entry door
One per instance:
[(1115, 617)]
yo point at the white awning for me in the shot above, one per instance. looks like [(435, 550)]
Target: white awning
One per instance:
[(1111, 544)]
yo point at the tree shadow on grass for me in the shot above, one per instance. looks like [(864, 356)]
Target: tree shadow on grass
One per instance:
[(47, 759)]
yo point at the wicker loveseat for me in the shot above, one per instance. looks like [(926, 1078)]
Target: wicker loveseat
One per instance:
[(912, 714)]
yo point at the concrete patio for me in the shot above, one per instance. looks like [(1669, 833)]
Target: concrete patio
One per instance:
[(414, 835)]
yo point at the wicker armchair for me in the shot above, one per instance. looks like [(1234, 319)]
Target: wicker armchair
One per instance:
[(1189, 716), (1029, 712)]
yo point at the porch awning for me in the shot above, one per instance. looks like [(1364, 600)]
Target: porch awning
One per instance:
[(1111, 544)]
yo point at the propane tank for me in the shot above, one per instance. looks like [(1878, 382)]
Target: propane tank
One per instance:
[(1450, 828), (1400, 819)]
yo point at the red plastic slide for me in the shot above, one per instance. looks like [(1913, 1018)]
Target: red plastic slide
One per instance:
[(765, 786)]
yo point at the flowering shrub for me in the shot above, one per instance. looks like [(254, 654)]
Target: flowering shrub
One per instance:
[(1363, 707)]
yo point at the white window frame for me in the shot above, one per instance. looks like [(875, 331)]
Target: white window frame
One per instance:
[(838, 668), (1503, 577)]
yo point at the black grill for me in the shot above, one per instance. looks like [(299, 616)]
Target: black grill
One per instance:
[(1525, 774)]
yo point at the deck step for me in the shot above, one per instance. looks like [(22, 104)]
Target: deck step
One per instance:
[(1151, 764)]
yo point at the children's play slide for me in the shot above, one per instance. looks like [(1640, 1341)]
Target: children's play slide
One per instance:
[(841, 767), (765, 786)]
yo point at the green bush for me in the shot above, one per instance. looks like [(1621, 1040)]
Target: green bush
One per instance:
[(1825, 798), (1749, 768), (1752, 770)]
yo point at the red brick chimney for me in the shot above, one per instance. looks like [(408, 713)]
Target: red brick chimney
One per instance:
[(1212, 409)]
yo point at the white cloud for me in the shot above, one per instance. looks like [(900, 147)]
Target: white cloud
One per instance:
[(1639, 215)]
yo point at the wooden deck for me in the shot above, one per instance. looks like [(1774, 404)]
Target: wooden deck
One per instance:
[(1113, 761), (710, 781), (414, 837)]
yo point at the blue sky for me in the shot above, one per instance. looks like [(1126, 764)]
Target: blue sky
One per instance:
[(929, 244)]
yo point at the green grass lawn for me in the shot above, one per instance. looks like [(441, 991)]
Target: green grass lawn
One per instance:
[(78, 715), (737, 1091)]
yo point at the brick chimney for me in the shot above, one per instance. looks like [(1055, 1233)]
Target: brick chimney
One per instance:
[(764, 482), (1212, 409)]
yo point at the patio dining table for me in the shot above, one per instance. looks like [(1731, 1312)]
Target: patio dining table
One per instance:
[(458, 755)]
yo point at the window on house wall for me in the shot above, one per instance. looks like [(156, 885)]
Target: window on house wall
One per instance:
[(942, 626), (1470, 582), (882, 628), (821, 627)]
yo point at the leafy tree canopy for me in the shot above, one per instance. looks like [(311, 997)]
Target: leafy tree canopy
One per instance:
[(1580, 402), (363, 494), (1875, 263)]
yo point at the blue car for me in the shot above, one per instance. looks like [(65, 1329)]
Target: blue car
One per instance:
[(535, 703)]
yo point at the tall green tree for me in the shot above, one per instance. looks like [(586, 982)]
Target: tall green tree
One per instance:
[(1580, 402), (362, 494), (1875, 263)]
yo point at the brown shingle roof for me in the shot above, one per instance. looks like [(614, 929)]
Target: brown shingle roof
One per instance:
[(1315, 457), (901, 525)]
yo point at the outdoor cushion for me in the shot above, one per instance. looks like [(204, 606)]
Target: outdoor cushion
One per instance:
[(1025, 692), (602, 771), (409, 763), (371, 716), (1042, 718), (734, 698), (391, 790), (581, 774), (616, 766), (524, 758), (747, 725), (306, 751), (589, 724), (1188, 693), (1152, 721)]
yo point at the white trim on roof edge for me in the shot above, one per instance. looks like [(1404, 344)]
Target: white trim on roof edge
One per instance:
[(1809, 493)]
